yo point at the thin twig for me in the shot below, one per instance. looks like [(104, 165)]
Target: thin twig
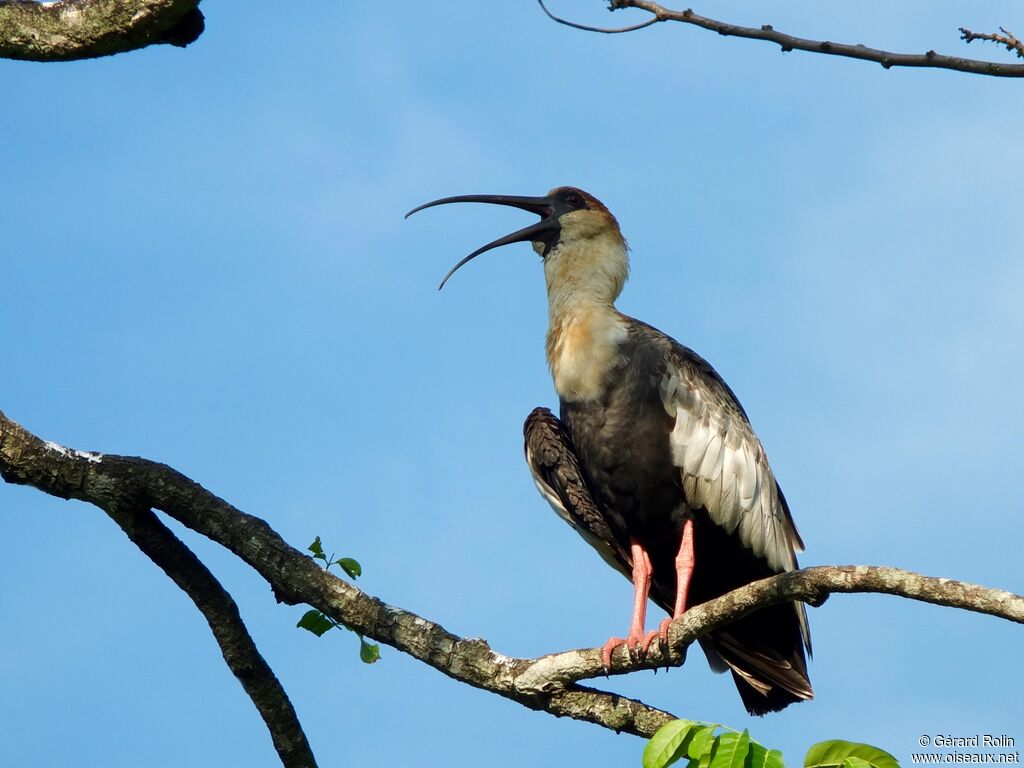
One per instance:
[(603, 30), (787, 42), (1011, 41)]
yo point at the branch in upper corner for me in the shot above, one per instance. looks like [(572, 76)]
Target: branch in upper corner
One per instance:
[(86, 29), (1012, 42), (603, 30), (786, 42)]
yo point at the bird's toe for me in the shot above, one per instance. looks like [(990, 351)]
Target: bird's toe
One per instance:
[(608, 648)]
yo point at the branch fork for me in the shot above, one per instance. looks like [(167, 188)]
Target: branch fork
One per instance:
[(129, 488)]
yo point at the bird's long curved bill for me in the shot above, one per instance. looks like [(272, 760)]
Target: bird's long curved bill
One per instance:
[(542, 206)]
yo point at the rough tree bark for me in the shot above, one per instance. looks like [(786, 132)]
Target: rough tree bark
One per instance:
[(128, 489), (86, 29)]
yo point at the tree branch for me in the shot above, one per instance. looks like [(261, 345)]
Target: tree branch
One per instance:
[(602, 30), (85, 29), (787, 42), (236, 644), (1012, 42), (105, 480), (548, 683)]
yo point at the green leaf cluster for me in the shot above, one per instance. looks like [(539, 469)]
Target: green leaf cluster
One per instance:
[(701, 747), (710, 745), (319, 623)]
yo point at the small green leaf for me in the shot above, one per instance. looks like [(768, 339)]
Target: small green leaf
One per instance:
[(762, 757), (730, 750), (700, 743), (367, 652), (317, 549), (834, 753), (350, 566), (668, 744), (315, 622)]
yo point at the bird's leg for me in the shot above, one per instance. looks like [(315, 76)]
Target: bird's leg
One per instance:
[(684, 573), (642, 571)]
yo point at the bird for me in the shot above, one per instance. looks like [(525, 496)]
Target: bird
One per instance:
[(652, 459)]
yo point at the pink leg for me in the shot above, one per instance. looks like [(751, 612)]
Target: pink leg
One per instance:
[(642, 571), (684, 573)]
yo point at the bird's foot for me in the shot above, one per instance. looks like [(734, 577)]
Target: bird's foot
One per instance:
[(636, 644), (661, 634)]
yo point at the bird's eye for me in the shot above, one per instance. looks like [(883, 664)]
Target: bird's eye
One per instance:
[(574, 200)]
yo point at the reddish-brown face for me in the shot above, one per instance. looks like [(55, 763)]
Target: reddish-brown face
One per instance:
[(577, 199)]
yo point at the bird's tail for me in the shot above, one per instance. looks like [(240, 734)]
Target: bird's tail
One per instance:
[(765, 653)]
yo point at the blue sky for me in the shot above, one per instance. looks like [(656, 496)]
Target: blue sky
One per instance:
[(205, 263)]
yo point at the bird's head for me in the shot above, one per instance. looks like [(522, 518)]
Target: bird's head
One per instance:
[(578, 238)]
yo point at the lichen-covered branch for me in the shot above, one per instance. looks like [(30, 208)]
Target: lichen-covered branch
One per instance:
[(787, 42), (549, 683), (86, 29)]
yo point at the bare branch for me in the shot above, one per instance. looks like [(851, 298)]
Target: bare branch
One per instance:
[(887, 59), (1011, 41), (131, 512), (604, 30), (236, 644), (85, 29), (548, 683), (811, 585)]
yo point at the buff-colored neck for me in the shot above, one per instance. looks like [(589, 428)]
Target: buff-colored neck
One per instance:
[(585, 330)]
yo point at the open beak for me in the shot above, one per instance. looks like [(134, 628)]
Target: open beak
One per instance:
[(545, 230)]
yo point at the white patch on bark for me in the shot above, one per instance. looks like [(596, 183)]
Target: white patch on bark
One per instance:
[(95, 458)]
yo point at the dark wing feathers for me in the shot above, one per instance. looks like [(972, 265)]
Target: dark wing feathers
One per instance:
[(560, 479)]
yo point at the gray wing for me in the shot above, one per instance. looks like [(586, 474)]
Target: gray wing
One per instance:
[(556, 472), (723, 465)]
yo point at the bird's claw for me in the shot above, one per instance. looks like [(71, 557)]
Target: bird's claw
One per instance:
[(650, 639), (606, 652), (663, 632), (663, 637), (636, 645)]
